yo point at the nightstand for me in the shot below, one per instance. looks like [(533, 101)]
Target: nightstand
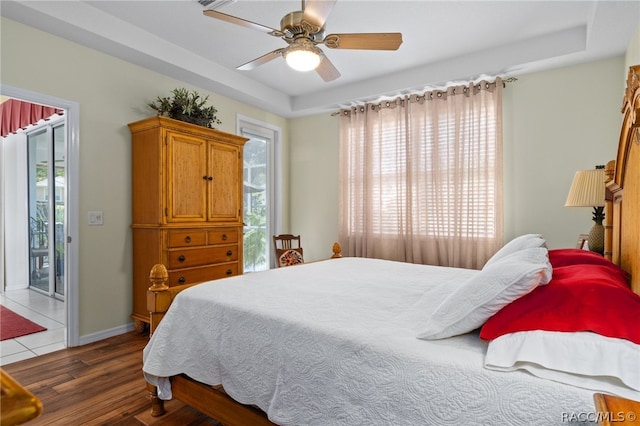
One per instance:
[(614, 410)]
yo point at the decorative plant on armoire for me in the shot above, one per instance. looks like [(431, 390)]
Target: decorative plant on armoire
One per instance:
[(186, 106)]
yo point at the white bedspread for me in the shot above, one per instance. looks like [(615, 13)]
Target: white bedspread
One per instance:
[(333, 343)]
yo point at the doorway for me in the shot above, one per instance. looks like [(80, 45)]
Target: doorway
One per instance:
[(51, 196)]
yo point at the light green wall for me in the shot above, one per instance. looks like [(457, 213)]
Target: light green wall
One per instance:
[(313, 175), (633, 53), (111, 93), (555, 123)]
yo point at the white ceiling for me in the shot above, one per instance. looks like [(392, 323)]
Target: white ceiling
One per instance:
[(443, 41)]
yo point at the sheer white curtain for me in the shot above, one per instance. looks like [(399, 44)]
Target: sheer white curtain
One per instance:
[(421, 177)]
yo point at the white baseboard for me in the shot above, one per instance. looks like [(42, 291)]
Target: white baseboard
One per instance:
[(105, 334)]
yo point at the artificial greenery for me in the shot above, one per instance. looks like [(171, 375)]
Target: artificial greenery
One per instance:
[(186, 106)]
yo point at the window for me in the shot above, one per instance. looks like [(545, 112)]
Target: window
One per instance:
[(421, 178)]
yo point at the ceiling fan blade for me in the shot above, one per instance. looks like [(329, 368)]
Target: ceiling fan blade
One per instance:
[(365, 41), (316, 12), (242, 22), (326, 70), (261, 60)]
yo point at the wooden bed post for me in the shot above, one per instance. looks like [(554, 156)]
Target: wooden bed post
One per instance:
[(158, 298), (157, 405), (158, 301)]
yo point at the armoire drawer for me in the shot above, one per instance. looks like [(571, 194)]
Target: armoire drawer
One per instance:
[(187, 238), (188, 257), (198, 275), (222, 236)]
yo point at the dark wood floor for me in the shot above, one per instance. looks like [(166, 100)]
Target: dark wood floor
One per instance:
[(97, 384)]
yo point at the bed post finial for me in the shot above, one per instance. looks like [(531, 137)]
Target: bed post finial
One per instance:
[(609, 170), (337, 250), (158, 277)]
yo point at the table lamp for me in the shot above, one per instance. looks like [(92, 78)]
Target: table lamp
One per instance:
[(588, 190)]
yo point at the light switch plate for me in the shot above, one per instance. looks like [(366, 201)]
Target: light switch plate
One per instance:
[(95, 218)]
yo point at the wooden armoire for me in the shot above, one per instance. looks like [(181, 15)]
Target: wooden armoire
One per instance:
[(187, 205)]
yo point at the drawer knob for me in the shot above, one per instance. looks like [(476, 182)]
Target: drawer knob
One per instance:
[(207, 177), (187, 239), (224, 237), (229, 252), (229, 272), (181, 258), (182, 280)]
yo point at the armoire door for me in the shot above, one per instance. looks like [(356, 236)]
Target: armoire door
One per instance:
[(225, 189), (188, 178)]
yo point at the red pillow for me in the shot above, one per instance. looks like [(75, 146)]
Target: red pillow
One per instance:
[(608, 273), (583, 298), (572, 256)]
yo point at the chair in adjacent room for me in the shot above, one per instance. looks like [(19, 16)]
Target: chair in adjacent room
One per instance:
[(288, 250)]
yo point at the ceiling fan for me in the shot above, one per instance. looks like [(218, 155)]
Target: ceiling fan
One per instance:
[(303, 30)]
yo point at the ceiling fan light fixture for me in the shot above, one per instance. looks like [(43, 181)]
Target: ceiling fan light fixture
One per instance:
[(303, 56)]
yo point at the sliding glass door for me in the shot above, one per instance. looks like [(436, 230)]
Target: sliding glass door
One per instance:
[(46, 174)]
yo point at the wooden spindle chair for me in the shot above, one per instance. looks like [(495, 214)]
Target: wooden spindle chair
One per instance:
[(288, 250)]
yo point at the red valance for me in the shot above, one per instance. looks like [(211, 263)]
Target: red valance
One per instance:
[(15, 115)]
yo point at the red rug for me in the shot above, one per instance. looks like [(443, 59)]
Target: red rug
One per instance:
[(13, 325)]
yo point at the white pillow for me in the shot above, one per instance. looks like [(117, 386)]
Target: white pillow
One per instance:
[(519, 243), (583, 359), (484, 294)]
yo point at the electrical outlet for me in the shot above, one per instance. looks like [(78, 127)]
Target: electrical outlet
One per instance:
[(95, 218)]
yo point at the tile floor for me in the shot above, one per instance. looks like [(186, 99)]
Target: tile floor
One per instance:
[(43, 310)]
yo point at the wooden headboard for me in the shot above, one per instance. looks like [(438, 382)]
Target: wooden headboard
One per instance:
[(622, 231)]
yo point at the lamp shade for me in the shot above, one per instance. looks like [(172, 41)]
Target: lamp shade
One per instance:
[(587, 189)]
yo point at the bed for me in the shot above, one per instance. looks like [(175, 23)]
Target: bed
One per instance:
[(365, 341)]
